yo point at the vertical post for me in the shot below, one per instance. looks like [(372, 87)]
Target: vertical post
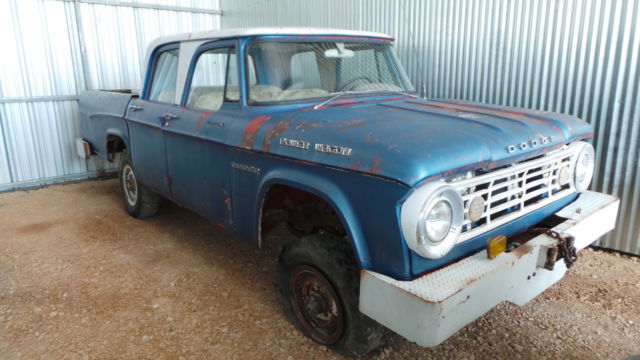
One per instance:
[(83, 83)]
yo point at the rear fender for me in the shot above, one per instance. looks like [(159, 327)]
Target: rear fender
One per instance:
[(118, 133)]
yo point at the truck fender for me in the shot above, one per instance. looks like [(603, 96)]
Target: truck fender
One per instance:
[(117, 133), (326, 190)]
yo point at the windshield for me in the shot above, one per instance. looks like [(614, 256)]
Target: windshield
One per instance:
[(287, 71)]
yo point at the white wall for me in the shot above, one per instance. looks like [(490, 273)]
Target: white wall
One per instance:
[(54, 49)]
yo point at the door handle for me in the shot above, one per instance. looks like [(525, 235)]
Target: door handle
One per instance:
[(166, 118), (135, 107)]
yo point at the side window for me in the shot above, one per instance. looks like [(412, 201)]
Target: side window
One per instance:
[(304, 71), (214, 69), (163, 85)]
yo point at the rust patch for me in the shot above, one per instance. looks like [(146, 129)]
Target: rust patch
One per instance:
[(505, 112), (273, 132), (522, 250), (394, 147), (441, 107), (356, 165), (249, 136), (471, 281), (368, 137), (201, 120), (304, 126), (376, 165), (352, 123)]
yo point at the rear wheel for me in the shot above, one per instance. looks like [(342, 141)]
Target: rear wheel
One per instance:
[(319, 283), (139, 201)]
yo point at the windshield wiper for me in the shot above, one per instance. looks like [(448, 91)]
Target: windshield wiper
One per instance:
[(340, 93), (391, 91), (335, 96)]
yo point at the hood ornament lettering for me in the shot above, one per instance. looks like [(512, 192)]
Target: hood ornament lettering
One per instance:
[(299, 144), (533, 143), (333, 149)]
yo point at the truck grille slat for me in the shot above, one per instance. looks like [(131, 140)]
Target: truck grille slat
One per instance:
[(514, 191)]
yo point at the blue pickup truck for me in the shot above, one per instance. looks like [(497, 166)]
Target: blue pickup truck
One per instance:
[(415, 214)]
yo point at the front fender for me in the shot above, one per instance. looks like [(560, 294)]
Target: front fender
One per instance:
[(327, 190)]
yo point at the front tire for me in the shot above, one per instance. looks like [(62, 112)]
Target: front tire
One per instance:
[(138, 200), (319, 284)]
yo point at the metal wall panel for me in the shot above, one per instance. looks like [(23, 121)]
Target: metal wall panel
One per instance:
[(43, 68), (578, 57)]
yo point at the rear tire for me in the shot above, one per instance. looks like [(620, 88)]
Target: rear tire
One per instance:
[(138, 200), (319, 285)]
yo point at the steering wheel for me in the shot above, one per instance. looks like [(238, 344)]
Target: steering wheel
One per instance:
[(349, 85)]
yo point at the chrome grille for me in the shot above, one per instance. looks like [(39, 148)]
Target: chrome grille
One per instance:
[(516, 190)]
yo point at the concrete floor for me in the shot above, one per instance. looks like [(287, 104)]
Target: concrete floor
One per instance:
[(80, 279)]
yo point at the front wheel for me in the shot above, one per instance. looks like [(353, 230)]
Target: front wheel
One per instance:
[(319, 283), (139, 201)]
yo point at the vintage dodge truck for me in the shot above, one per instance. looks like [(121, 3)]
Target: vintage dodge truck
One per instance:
[(416, 214)]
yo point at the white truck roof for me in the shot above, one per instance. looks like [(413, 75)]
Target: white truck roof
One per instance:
[(254, 31)]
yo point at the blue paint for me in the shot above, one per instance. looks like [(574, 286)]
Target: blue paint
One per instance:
[(397, 142)]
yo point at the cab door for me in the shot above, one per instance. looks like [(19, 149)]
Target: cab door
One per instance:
[(147, 116), (197, 159)]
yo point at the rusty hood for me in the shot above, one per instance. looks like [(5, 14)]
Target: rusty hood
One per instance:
[(409, 140)]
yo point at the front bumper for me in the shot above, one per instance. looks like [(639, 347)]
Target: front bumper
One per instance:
[(433, 307)]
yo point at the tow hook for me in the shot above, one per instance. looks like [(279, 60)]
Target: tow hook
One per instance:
[(565, 249)]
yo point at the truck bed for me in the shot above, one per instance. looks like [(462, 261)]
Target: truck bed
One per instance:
[(101, 115)]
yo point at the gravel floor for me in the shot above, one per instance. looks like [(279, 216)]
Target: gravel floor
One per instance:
[(80, 279)]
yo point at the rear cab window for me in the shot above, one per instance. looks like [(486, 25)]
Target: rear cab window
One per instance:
[(163, 82)]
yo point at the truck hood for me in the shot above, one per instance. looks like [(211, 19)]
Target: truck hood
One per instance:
[(412, 139)]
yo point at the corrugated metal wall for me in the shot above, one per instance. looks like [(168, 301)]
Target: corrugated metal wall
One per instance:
[(52, 50), (573, 56)]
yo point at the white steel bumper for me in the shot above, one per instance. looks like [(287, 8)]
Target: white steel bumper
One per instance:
[(433, 307)]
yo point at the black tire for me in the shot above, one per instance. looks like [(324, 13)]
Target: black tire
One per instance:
[(328, 263), (145, 202)]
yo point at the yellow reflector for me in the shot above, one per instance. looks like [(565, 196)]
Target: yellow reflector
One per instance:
[(496, 246)]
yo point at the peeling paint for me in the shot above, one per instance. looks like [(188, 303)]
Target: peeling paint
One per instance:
[(303, 126), (352, 123), (273, 132), (376, 165), (368, 137), (249, 136), (201, 120)]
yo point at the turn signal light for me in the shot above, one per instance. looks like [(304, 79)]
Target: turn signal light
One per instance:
[(496, 246)]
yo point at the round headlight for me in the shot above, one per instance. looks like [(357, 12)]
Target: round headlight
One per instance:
[(583, 169), (431, 219), (439, 220)]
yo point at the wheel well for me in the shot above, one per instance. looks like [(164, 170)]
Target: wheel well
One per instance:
[(115, 145), (304, 213)]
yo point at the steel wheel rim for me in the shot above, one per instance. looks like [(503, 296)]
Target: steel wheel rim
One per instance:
[(130, 185), (316, 305)]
